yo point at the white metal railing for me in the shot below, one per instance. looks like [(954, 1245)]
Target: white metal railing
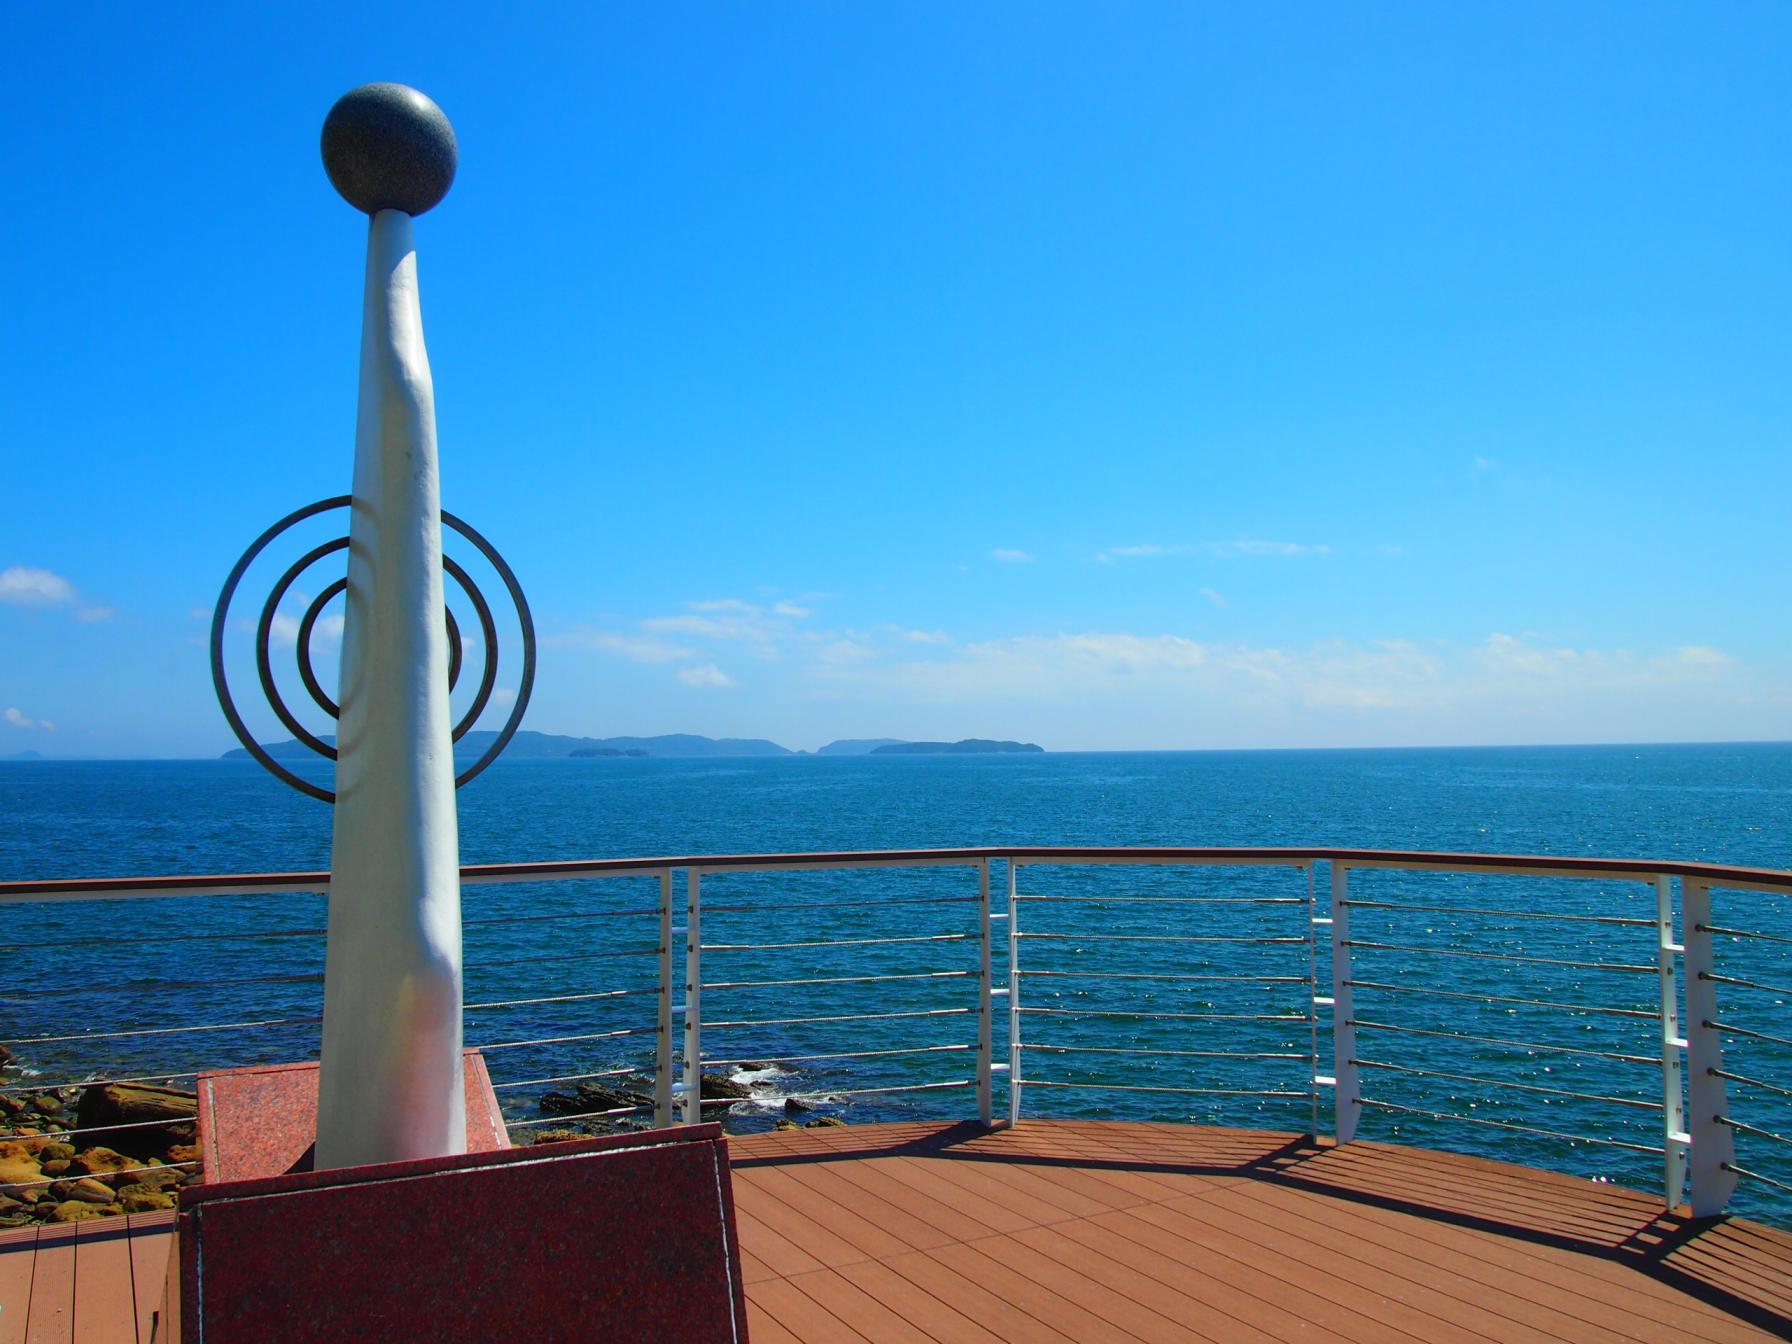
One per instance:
[(1659, 1015)]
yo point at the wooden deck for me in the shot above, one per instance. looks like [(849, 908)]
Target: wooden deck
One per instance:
[(1069, 1230)]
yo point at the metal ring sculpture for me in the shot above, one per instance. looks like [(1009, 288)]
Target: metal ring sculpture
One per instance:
[(308, 624)]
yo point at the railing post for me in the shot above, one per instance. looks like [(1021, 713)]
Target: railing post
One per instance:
[(1013, 994), (1713, 1145), (692, 1085), (662, 1052), (1674, 1139), (1312, 928), (1347, 1096), (985, 1003)]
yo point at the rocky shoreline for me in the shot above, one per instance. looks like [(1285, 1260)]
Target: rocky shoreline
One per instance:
[(73, 1153), (591, 1108)]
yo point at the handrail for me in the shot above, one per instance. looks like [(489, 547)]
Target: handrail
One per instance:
[(1698, 1127), (1727, 876)]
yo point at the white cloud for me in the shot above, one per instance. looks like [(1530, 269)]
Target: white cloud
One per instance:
[(23, 586), (1009, 556), (1222, 550), (19, 719), (1212, 596), (792, 610), (705, 674), (1228, 549), (635, 648)]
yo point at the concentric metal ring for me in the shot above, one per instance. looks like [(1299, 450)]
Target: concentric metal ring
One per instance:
[(308, 624)]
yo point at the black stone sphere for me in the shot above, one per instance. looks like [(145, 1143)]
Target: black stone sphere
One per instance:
[(388, 147)]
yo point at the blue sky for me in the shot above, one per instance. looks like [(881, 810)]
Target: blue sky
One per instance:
[(1115, 376)]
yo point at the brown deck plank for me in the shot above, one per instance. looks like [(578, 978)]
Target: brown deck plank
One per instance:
[(992, 1310), (1574, 1284), (865, 1236), (926, 1313), (1015, 1269), (104, 1310), (152, 1241), (800, 1314), (18, 1249), (1277, 1272), (845, 1301), (51, 1318)]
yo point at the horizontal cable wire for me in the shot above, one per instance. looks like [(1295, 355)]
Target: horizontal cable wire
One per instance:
[(1744, 984), (582, 1115), (1186, 1091), (1743, 933), (847, 1017), (1756, 1176), (566, 1078), (1187, 1017), (1752, 1082), (91, 1130), (1505, 1124), (904, 1087), (838, 942), (98, 1082), (1506, 956), (1170, 900), (561, 998), (630, 913), (157, 986), (1152, 975), (1750, 1129), (1515, 1045), (1497, 998), (812, 908), (1126, 1050), (1151, 938), (838, 980), (131, 1171), (1504, 914), (843, 1054), (1750, 1032), (170, 1031), (560, 1040), (192, 938), (1497, 1084), (576, 956)]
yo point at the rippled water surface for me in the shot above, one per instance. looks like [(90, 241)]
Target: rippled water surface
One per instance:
[(1188, 980)]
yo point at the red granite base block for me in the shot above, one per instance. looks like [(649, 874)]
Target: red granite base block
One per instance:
[(626, 1236), (262, 1121)]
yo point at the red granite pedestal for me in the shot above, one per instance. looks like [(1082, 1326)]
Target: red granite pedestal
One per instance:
[(629, 1235)]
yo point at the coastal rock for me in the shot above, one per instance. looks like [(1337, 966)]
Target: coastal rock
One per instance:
[(714, 1087), (154, 1180), (555, 1136), (134, 1104), (794, 1106), (145, 1201), (17, 1173), (183, 1152), (85, 1188), (825, 1122), (6, 1057), (786, 1124), (103, 1161), (47, 1103), (57, 1166), (11, 1105), (588, 1097), (74, 1211)]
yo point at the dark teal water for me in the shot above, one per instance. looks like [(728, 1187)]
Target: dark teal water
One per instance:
[(1202, 990)]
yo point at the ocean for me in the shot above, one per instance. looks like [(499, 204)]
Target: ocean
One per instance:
[(1134, 979)]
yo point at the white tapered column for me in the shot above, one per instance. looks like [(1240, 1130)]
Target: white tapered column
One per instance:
[(390, 1086)]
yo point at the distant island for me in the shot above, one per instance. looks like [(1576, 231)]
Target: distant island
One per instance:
[(528, 745), (970, 746)]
